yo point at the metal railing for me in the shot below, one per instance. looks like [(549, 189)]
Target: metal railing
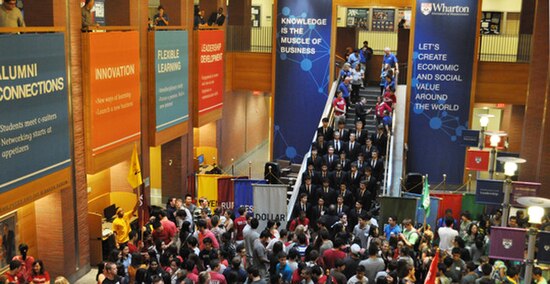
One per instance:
[(327, 112), (505, 47), (249, 39), (389, 157)]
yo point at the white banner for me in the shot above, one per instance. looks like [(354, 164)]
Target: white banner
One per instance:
[(270, 203)]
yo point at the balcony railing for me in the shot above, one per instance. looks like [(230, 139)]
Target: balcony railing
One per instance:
[(249, 39), (500, 48)]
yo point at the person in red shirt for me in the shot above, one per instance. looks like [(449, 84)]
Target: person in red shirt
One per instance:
[(301, 220), (331, 255), (215, 276), (164, 230), (12, 274), (26, 262), (205, 233), (38, 274), (240, 223)]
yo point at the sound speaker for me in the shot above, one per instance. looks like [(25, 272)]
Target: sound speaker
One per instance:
[(413, 183)]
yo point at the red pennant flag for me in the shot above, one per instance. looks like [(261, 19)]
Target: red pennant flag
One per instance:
[(477, 160), (432, 273)]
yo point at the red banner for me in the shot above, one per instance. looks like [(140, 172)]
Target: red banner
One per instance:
[(226, 193), (211, 69), (451, 201), (477, 160)]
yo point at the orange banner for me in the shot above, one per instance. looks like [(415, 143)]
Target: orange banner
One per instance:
[(113, 78)]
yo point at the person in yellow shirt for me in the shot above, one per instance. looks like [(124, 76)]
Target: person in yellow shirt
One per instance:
[(121, 225)]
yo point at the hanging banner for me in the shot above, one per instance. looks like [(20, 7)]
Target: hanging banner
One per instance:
[(507, 243), (34, 121), (477, 160), (469, 204), (451, 201), (302, 66), (434, 209), (543, 252), (470, 138), (211, 44), (522, 188), (171, 74), (244, 193), (208, 188), (270, 203), (441, 85), (489, 191), (113, 84)]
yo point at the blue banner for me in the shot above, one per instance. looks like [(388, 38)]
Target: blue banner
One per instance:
[(171, 78), (34, 121), (434, 208), (489, 191), (301, 74), (543, 252), (444, 44), (244, 194), (470, 138)]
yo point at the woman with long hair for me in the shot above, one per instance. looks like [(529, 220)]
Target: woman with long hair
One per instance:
[(38, 274), (100, 272)]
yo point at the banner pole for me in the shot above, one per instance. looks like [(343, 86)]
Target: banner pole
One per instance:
[(425, 215)]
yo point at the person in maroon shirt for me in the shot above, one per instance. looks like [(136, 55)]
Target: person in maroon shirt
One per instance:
[(331, 255), (15, 268), (301, 220), (240, 223)]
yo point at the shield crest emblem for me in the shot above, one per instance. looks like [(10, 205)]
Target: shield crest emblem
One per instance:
[(426, 8), (478, 160), (507, 243)]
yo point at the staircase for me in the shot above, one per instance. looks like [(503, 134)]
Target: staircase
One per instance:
[(370, 93)]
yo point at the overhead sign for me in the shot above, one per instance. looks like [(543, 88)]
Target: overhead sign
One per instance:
[(477, 160), (521, 189), (489, 192), (171, 78), (441, 86), (470, 138), (211, 46), (34, 120), (507, 243), (302, 63), (114, 89)]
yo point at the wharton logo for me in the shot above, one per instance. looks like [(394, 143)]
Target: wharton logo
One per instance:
[(441, 9)]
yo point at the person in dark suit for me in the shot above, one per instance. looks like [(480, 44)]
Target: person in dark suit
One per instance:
[(344, 161), (372, 182), (324, 173), (301, 205), (353, 216), (330, 159), (328, 193), (325, 130), (361, 111), (344, 133), (361, 134), (368, 148), (377, 166), (354, 178), (341, 207), (315, 159), (317, 211), (321, 145), (361, 163), (310, 190), (380, 139), (349, 198), (362, 195), (352, 148), (337, 144), (339, 176), (309, 172), (217, 18)]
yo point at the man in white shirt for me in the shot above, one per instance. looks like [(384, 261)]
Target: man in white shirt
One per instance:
[(447, 235)]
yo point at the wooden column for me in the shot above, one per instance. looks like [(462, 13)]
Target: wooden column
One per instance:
[(536, 124)]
